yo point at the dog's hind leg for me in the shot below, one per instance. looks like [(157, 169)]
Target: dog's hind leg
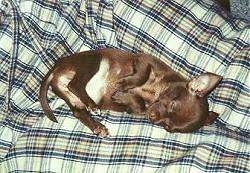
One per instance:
[(95, 126), (80, 112), (77, 86), (79, 109)]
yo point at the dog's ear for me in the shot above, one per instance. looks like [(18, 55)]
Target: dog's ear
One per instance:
[(211, 117), (203, 84)]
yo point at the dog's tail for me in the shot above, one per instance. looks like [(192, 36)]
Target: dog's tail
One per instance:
[(43, 96)]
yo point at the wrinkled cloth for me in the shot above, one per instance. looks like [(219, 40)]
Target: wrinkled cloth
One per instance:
[(190, 36)]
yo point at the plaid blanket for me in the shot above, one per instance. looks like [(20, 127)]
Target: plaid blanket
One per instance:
[(191, 36)]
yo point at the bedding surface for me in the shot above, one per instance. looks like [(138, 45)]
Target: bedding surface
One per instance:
[(191, 36)]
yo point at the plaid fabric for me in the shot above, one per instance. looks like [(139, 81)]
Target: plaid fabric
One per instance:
[(190, 36)]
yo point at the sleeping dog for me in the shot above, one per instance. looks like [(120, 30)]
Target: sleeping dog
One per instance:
[(111, 79)]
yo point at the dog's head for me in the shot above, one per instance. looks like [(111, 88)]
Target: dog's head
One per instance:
[(183, 107)]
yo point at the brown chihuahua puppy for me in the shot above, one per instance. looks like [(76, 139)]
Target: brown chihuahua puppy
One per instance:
[(111, 79)]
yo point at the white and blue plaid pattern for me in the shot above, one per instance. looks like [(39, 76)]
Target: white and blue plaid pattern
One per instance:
[(192, 36)]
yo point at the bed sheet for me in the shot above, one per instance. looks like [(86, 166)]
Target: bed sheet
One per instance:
[(191, 36)]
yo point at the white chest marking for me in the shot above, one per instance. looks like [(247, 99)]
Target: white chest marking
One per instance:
[(96, 87)]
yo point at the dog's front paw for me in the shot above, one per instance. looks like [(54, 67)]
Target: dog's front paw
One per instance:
[(101, 130), (125, 84)]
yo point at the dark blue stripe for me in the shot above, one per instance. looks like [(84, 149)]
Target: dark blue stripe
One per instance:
[(158, 17)]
